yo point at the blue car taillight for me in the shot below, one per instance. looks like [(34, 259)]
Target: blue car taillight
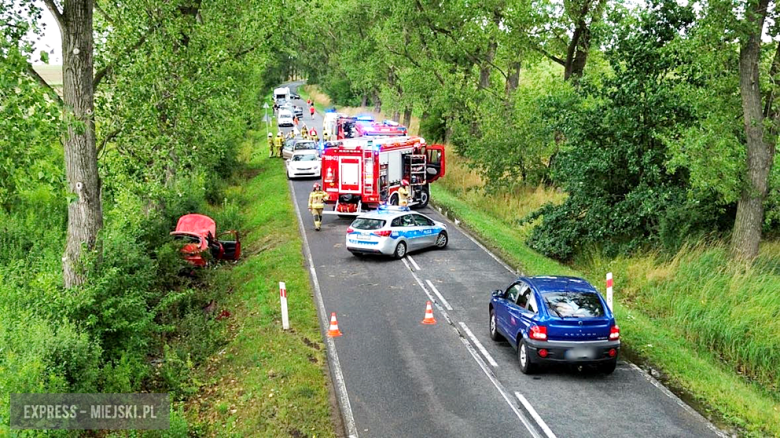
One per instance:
[(538, 332)]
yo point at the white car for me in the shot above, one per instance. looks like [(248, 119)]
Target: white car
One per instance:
[(285, 118), (304, 163)]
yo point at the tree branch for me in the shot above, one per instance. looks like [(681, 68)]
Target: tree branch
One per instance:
[(100, 74), (110, 136), (551, 56), (103, 14), (52, 93), (55, 11)]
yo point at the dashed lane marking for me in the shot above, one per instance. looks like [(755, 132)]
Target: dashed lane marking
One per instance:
[(479, 345), (339, 384), (436, 291), (488, 372), (534, 414), (416, 266)]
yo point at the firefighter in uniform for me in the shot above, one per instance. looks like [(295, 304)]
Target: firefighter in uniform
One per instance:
[(325, 135), (278, 142), (316, 204), (304, 132), (270, 145), (403, 194)]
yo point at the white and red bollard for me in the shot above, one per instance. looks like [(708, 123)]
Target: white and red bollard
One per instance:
[(283, 297), (609, 290)]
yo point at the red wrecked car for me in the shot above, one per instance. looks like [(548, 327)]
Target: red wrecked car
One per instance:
[(201, 243)]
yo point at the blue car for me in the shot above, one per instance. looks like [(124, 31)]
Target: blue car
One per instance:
[(555, 319)]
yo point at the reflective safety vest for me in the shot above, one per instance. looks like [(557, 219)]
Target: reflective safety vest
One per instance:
[(317, 199)]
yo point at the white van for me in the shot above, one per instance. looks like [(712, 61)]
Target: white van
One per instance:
[(282, 93), (285, 118)]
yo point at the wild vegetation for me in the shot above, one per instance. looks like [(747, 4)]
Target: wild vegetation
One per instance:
[(147, 125)]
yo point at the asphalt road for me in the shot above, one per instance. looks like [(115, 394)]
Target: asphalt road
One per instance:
[(406, 379)]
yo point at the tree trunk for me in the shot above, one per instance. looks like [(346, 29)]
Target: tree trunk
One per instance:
[(364, 100), (484, 70), (750, 208), (85, 213), (513, 79), (377, 102), (407, 117)]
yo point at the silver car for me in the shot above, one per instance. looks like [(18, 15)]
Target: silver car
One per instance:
[(394, 231)]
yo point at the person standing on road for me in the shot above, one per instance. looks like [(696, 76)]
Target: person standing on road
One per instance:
[(316, 204), (403, 194), (304, 132), (270, 145), (308, 101), (311, 111), (278, 142)]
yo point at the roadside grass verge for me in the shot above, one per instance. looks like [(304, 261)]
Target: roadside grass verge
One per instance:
[(265, 381)]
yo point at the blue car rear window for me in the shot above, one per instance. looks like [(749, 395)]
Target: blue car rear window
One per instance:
[(574, 304), (368, 224)]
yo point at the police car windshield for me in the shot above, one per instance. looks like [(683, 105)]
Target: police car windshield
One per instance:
[(574, 304), (368, 224), (304, 157)]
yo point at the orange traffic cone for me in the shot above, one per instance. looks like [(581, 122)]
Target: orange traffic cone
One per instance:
[(333, 331), (429, 314)]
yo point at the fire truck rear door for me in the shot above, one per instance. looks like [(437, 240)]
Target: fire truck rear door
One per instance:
[(349, 175), (435, 162)]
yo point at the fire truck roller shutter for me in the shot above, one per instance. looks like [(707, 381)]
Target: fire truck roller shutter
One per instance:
[(395, 167)]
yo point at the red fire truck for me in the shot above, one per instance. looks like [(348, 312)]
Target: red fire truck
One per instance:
[(360, 174), (365, 126)]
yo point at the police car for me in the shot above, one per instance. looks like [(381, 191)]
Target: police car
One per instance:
[(394, 231)]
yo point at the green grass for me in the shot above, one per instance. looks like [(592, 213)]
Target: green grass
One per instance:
[(669, 344), (266, 381)]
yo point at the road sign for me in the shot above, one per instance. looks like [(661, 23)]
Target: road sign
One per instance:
[(266, 119), (265, 105)]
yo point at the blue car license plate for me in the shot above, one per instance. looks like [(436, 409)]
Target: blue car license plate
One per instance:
[(580, 353)]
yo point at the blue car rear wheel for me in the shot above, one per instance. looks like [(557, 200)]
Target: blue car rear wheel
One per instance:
[(524, 358)]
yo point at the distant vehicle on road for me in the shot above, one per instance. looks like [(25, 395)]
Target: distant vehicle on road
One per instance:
[(298, 144), (395, 231), (298, 111), (294, 96), (285, 118), (304, 163), (282, 93), (555, 319)]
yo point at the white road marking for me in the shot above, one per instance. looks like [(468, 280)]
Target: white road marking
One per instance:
[(413, 262), (488, 372), (479, 345), (406, 263), (339, 384), (500, 388), (436, 291), (534, 414)]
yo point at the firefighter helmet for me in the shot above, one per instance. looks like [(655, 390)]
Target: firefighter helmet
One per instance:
[(270, 135), (279, 134), (316, 186), (404, 182)]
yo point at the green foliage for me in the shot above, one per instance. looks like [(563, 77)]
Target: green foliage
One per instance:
[(622, 194)]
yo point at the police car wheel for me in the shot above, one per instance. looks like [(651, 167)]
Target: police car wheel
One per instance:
[(400, 250), (442, 240)]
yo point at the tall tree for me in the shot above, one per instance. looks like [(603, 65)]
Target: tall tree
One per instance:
[(85, 213), (759, 136)]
